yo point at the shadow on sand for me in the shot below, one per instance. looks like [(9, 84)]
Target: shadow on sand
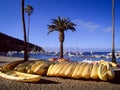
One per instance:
[(44, 81), (3, 62)]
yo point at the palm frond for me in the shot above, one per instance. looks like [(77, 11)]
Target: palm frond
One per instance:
[(29, 9), (50, 31), (52, 27), (63, 24)]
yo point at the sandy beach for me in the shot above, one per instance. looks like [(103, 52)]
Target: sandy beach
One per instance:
[(56, 83)]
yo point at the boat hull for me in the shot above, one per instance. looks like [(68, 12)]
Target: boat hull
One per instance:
[(19, 76)]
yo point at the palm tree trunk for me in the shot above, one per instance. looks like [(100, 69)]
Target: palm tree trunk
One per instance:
[(28, 28), (61, 49), (113, 32), (61, 38), (24, 30), (28, 34)]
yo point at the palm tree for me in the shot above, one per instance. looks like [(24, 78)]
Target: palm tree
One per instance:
[(113, 32), (24, 31), (29, 10), (61, 25)]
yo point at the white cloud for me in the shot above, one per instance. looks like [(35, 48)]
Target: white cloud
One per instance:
[(108, 29), (89, 26), (86, 25)]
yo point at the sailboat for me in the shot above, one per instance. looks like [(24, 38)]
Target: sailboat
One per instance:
[(34, 50), (56, 53)]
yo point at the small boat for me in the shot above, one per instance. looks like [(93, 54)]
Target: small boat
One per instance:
[(19, 76), (70, 54)]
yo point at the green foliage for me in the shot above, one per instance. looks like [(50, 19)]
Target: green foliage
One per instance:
[(61, 24), (29, 9)]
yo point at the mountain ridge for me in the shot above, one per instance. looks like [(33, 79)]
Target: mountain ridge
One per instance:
[(9, 43)]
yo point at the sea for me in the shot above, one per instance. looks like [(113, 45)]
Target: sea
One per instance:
[(94, 56)]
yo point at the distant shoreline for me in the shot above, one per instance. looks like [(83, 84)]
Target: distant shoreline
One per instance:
[(5, 59)]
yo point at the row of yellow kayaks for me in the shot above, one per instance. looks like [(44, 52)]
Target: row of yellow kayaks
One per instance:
[(31, 70), (98, 70)]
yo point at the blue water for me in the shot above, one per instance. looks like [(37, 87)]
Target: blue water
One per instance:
[(46, 56)]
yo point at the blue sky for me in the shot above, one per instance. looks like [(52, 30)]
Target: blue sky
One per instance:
[(93, 19)]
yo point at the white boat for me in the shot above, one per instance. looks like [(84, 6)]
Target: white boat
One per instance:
[(10, 53), (70, 54), (117, 54), (21, 52), (56, 53)]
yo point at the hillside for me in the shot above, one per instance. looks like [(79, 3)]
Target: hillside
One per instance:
[(8, 43)]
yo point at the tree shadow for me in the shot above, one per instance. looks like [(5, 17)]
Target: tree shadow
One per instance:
[(44, 81), (116, 80), (3, 62)]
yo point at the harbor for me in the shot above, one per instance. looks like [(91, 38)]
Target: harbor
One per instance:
[(73, 56)]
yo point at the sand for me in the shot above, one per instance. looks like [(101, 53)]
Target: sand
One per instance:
[(56, 83)]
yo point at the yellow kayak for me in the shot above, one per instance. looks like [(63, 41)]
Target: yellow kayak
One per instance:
[(19, 76)]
